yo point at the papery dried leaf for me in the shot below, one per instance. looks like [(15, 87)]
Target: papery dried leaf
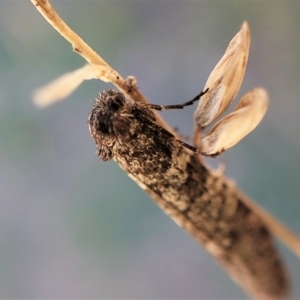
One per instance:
[(235, 126), (225, 79), (64, 85)]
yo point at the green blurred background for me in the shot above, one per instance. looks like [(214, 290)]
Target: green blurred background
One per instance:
[(74, 227)]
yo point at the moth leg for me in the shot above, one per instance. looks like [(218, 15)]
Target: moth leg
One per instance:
[(186, 145), (177, 106)]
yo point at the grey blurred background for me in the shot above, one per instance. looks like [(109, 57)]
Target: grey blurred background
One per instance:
[(74, 227)]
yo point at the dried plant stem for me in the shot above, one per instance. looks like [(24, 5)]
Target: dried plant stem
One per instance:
[(128, 86), (45, 8), (215, 187)]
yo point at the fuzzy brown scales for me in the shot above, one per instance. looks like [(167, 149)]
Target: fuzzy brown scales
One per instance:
[(200, 201)]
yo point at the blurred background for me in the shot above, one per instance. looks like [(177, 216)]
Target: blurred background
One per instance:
[(74, 227)]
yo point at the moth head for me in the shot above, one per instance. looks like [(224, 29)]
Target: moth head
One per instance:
[(110, 116)]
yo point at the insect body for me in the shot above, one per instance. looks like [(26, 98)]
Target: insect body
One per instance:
[(202, 202)]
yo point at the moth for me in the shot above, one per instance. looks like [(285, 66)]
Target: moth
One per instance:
[(200, 201)]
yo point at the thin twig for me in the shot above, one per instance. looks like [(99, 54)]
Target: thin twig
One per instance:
[(128, 86)]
